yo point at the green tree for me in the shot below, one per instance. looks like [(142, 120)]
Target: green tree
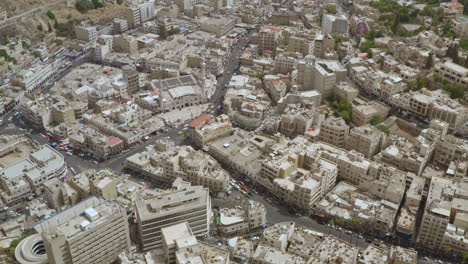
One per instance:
[(84, 5), (39, 27), (437, 78), (50, 15), (429, 61), (375, 120), (98, 3), (344, 105), (383, 128), (368, 46), (464, 44), (120, 2), (381, 61), (173, 31), (346, 115), (162, 32), (422, 82), (261, 75), (331, 9), (452, 52)]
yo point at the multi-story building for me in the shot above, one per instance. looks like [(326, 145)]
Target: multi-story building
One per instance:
[(452, 9), (146, 11), (334, 24), (34, 77), (363, 114), (30, 168), (119, 26), (325, 75), (301, 45), (238, 221), (444, 220), (132, 14), (62, 113), (323, 44), (3, 14), (202, 132), (450, 148), (218, 26), (187, 203), (334, 130), (93, 231), (452, 72), (460, 26), (346, 91), (125, 43), (367, 140), (86, 33), (267, 38)]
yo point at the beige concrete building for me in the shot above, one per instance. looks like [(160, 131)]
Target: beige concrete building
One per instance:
[(203, 132), (234, 221), (334, 24), (460, 26), (187, 203), (119, 26), (326, 74), (367, 140), (301, 45), (218, 25), (125, 43), (85, 33), (363, 114), (267, 38), (323, 44), (94, 231), (450, 149), (334, 130), (346, 91), (453, 72), (132, 14), (445, 216), (62, 113)]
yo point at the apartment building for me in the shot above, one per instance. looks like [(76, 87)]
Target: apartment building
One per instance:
[(453, 72), (132, 14), (363, 114), (323, 44), (346, 91), (332, 24), (218, 25), (34, 77), (450, 148), (203, 132), (325, 75), (449, 111), (125, 43), (131, 78), (23, 173), (86, 33), (460, 26), (187, 203), (93, 231), (285, 63), (277, 235), (267, 38), (3, 14), (119, 26), (445, 216), (234, 221), (367, 140), (62, 113), (301, 45), (334, 130), (299, 121), (452, 9)]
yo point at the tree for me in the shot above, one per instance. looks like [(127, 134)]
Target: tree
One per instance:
[(49, 27), (261, 76), (429, 61), (375, 120), (422, 82), (331, 9), (383, 128), (437, 78), (381, 61), (84, 5), (162, 32), (346, 115), (120, 2), (39, 27), (452, 52), (50, 15), (36, 54)]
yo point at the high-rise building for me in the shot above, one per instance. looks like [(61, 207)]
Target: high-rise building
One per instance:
[(130, 76), (92, 231), (187, 203)]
